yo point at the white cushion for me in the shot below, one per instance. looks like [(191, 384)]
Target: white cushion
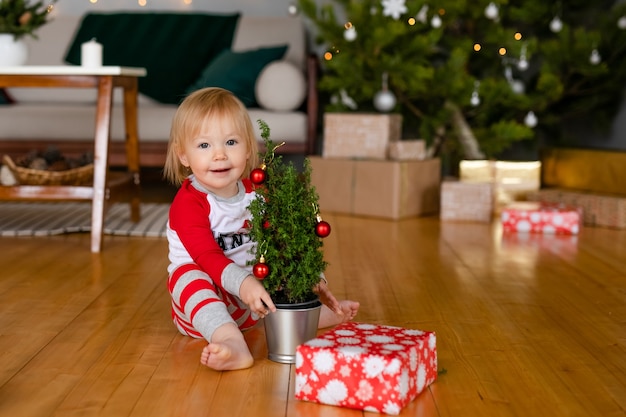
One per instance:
[(281, 86)]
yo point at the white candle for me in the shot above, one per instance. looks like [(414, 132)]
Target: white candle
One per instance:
[(91, 54)]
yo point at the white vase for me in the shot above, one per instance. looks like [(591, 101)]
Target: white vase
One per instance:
[(12, 52)]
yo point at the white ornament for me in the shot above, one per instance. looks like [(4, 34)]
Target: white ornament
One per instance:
[(491, 11), (475, 99), (384, 100), (394, 8), (522, 64), (518, 86), (556, 25), (292, 9), (422, 15), (350, 34), (595, 57), (621, 22), (530, 120), (435, 22)]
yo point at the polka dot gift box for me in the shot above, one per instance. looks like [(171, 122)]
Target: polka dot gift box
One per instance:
[(535, 217), (365, 366)]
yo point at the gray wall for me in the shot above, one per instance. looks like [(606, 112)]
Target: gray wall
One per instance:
[(249, 7)]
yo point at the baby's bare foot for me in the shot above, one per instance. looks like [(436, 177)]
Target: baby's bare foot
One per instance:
[(227, 351), (328, 318)]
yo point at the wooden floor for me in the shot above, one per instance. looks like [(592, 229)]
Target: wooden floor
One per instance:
[(526, 325)]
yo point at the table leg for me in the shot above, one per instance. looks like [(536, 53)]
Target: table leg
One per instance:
[(101, 156), (132, 144)]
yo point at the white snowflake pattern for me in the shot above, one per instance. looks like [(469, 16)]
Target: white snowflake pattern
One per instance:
[(365, 391), (345, 371), (391, 408), (301, 383), (348, 340), (394, 8), (299, 359), (351, 352), (403, 384), (365, 326), (379, 338), (412, 332), (318, 342), (413, 358), (333, 393), (421, 377), (373, 366), (323, 362), (393, 347), (393, 367), (344, 332)]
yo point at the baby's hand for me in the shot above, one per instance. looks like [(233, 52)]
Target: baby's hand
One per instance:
[(327, 298), (256, 297)]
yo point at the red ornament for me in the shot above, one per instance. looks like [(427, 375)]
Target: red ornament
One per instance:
[(258, 175), (322, 228), (261, 270)]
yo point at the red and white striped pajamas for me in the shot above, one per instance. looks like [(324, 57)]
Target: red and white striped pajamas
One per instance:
[(208, 252)]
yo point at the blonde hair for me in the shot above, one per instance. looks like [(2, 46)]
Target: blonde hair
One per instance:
[(192, 114)]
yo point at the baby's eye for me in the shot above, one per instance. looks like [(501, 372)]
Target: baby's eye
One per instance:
[(231, 142), (203, 145)]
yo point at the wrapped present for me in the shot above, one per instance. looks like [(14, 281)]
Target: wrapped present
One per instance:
[(387, 189), (367, 367), (512, 180), (360, 135), (407, 150), (536, 217), (466, 201), (604, 210), (594, 171), (507, 172)]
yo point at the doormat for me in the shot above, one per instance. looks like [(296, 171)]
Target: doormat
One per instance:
[(53, 218)]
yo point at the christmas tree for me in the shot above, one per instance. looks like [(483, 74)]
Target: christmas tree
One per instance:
[(287, 227), (486, 74)]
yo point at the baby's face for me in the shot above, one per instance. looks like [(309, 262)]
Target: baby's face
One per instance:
[(217, 156)]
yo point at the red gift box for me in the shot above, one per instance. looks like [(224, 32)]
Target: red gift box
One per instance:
[(536, 217), (367, 367)]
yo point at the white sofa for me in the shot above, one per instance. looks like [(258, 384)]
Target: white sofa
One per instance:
[(64, 117)]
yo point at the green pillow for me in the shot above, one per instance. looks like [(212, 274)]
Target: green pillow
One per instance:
[(173, 47), (238, 71)]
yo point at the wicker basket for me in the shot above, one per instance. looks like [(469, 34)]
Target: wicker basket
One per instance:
[(28, 176)]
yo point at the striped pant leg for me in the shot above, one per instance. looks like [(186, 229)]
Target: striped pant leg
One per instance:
[(199, 306)]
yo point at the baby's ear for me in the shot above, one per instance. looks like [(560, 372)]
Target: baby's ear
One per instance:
[(183, 159)]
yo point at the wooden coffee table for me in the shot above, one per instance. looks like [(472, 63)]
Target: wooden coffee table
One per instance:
[(106, 185)]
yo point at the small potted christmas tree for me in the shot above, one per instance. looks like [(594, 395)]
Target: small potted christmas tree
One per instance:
[(287, 228)]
